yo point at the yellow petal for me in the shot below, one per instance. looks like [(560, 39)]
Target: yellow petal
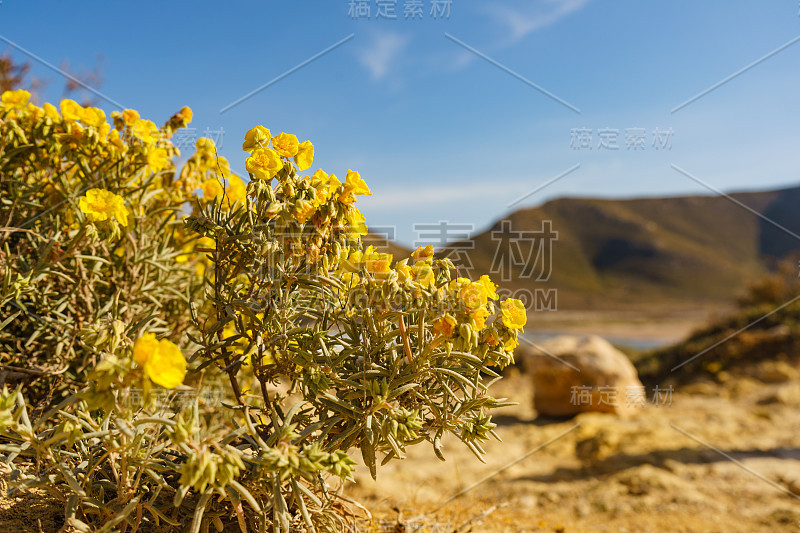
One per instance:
[(144, 347), (167, 366)]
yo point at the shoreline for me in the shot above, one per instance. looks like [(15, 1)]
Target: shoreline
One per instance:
[(638, 329)]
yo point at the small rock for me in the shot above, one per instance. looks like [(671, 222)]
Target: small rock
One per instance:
[(702, 388), (741, 387), (787, 394), (775, 372), (573, 375), (603, 444)]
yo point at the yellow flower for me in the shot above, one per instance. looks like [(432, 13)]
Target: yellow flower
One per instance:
[(403, 270), (93, 116), (491, 338), (320, 196), (157, 159), (510, 344), (75, 130), (205, 145), (274, 208), (130, 117), (358, 185), (205, 155), (304, 210), (285, 144), (15, 99), (378, 264), (473, 296), (478, 318), (144, 347), (35, 112), (186, 114), (491, 288), (458, 283), (211, 189), (353, 185), (353, 261), (204, 244), (116, 142), (305, 155), (236, 189), (357, 221), (423, 274), (320, 178), (333, 181), (100, 205), (350, 279), (264, 163), (71, 110), (162, 360), (267, 358), (222, 166), (51, 112), (145, 130), (324, 186), (423, 253), (257, 137), (445, 326), (513, 312)]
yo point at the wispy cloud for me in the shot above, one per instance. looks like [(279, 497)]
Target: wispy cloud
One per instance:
[(516, 21), (521, 21), (382, 52)]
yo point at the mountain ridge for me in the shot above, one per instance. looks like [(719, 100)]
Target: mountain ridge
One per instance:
[(621, 253)]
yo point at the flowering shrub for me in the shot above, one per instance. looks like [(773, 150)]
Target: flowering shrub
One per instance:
[(90, 226), (317, 345)]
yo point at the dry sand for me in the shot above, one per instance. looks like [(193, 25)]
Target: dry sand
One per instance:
[(720, 458)]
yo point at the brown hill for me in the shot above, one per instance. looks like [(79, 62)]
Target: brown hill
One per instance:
[(624, 254)]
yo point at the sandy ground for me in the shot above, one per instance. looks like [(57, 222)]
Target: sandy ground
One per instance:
[(717, 458)]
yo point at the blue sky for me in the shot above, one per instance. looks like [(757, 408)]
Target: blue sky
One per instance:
[(438, 132)]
